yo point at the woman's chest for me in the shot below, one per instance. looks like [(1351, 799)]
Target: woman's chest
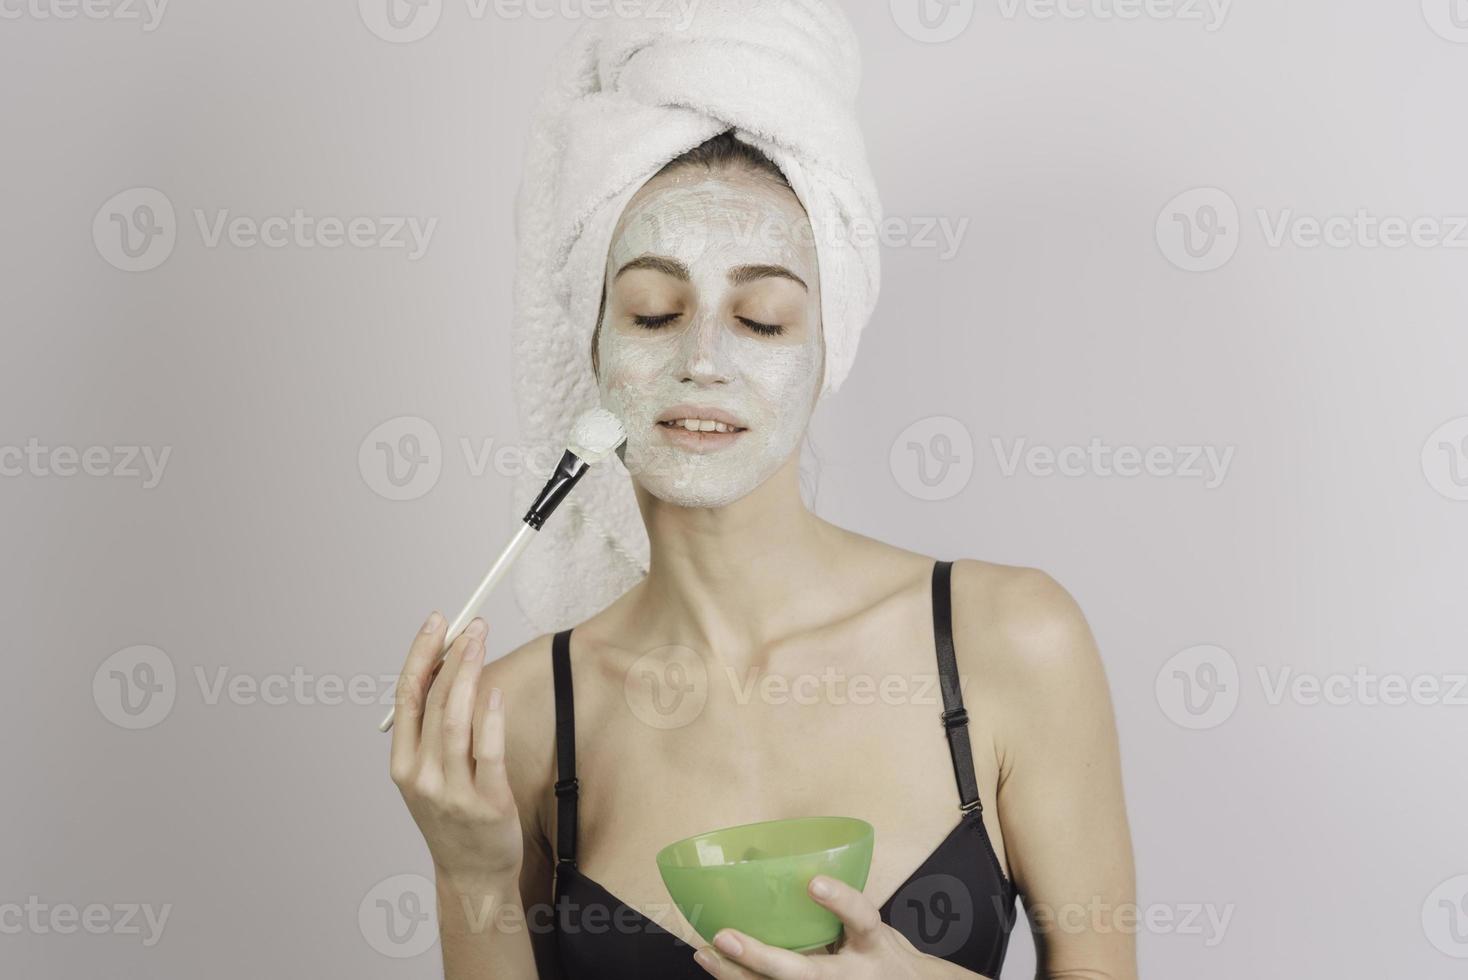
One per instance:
[(861, 743)]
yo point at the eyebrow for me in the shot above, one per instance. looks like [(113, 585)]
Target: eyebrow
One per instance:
[(738, 276)]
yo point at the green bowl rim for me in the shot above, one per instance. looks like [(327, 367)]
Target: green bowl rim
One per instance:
[(869, 831)]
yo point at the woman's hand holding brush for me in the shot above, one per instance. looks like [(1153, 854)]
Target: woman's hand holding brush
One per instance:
[(448, 759)]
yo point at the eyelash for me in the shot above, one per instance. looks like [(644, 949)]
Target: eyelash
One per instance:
[(763, 329)]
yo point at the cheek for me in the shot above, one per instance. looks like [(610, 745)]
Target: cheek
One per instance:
[(629, 363), (785, 376)]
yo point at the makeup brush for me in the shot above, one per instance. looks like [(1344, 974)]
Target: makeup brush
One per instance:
[(596, 435)]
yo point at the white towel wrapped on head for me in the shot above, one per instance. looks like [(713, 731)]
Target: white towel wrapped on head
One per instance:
[(627, 95)]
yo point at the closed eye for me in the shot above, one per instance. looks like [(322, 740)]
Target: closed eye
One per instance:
[(767, 329), (653, 322)]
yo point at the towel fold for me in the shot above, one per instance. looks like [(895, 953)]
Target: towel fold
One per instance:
[(626, 95)]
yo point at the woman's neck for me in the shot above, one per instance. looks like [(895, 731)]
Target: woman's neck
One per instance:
[(731, 578)]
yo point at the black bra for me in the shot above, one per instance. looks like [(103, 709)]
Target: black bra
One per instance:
[(957, 905)]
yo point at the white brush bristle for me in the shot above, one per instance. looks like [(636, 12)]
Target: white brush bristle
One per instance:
[(596, 435)]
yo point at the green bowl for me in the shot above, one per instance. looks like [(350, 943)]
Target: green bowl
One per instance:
[(753, 877)]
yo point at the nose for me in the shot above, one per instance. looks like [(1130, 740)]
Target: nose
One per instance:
[(705, 355)]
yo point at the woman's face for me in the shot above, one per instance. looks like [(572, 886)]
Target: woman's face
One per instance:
[(712, 313)]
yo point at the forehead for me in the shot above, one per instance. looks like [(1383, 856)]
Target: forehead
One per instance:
[(718, 218)]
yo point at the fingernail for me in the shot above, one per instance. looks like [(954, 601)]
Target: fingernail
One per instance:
[(728, 943), (819, 888), (475, 651), (476, 628), (495, 697), (431, 623), (704, 959)]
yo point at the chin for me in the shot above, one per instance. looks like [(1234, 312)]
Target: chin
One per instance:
[(695, 496), (692, 480)]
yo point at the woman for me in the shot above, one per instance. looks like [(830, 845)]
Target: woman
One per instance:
[(1018, 792)]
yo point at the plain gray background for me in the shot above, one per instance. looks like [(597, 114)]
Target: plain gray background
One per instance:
[(1085, 301)]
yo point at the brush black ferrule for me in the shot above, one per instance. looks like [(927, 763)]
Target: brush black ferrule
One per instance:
[(570, 469)]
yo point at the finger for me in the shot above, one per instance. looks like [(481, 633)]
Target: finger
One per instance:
[(759, 959), (431, 751), (458, 718), (861, 921), (490, 780), (716, 964), (412, 687)]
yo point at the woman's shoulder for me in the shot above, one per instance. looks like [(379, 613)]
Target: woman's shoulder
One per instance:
[(1019, 626), (524, 673), (1007, 618)]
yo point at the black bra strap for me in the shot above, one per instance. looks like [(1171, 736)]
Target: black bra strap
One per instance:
[(567, 785), (955, 719)]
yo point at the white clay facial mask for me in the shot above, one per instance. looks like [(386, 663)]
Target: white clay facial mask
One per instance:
[(703, 318)]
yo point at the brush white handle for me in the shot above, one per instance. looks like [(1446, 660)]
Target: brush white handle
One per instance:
[(471, 608)]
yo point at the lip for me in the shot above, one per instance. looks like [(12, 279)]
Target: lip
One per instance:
[(686, 411), (698, 442)]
